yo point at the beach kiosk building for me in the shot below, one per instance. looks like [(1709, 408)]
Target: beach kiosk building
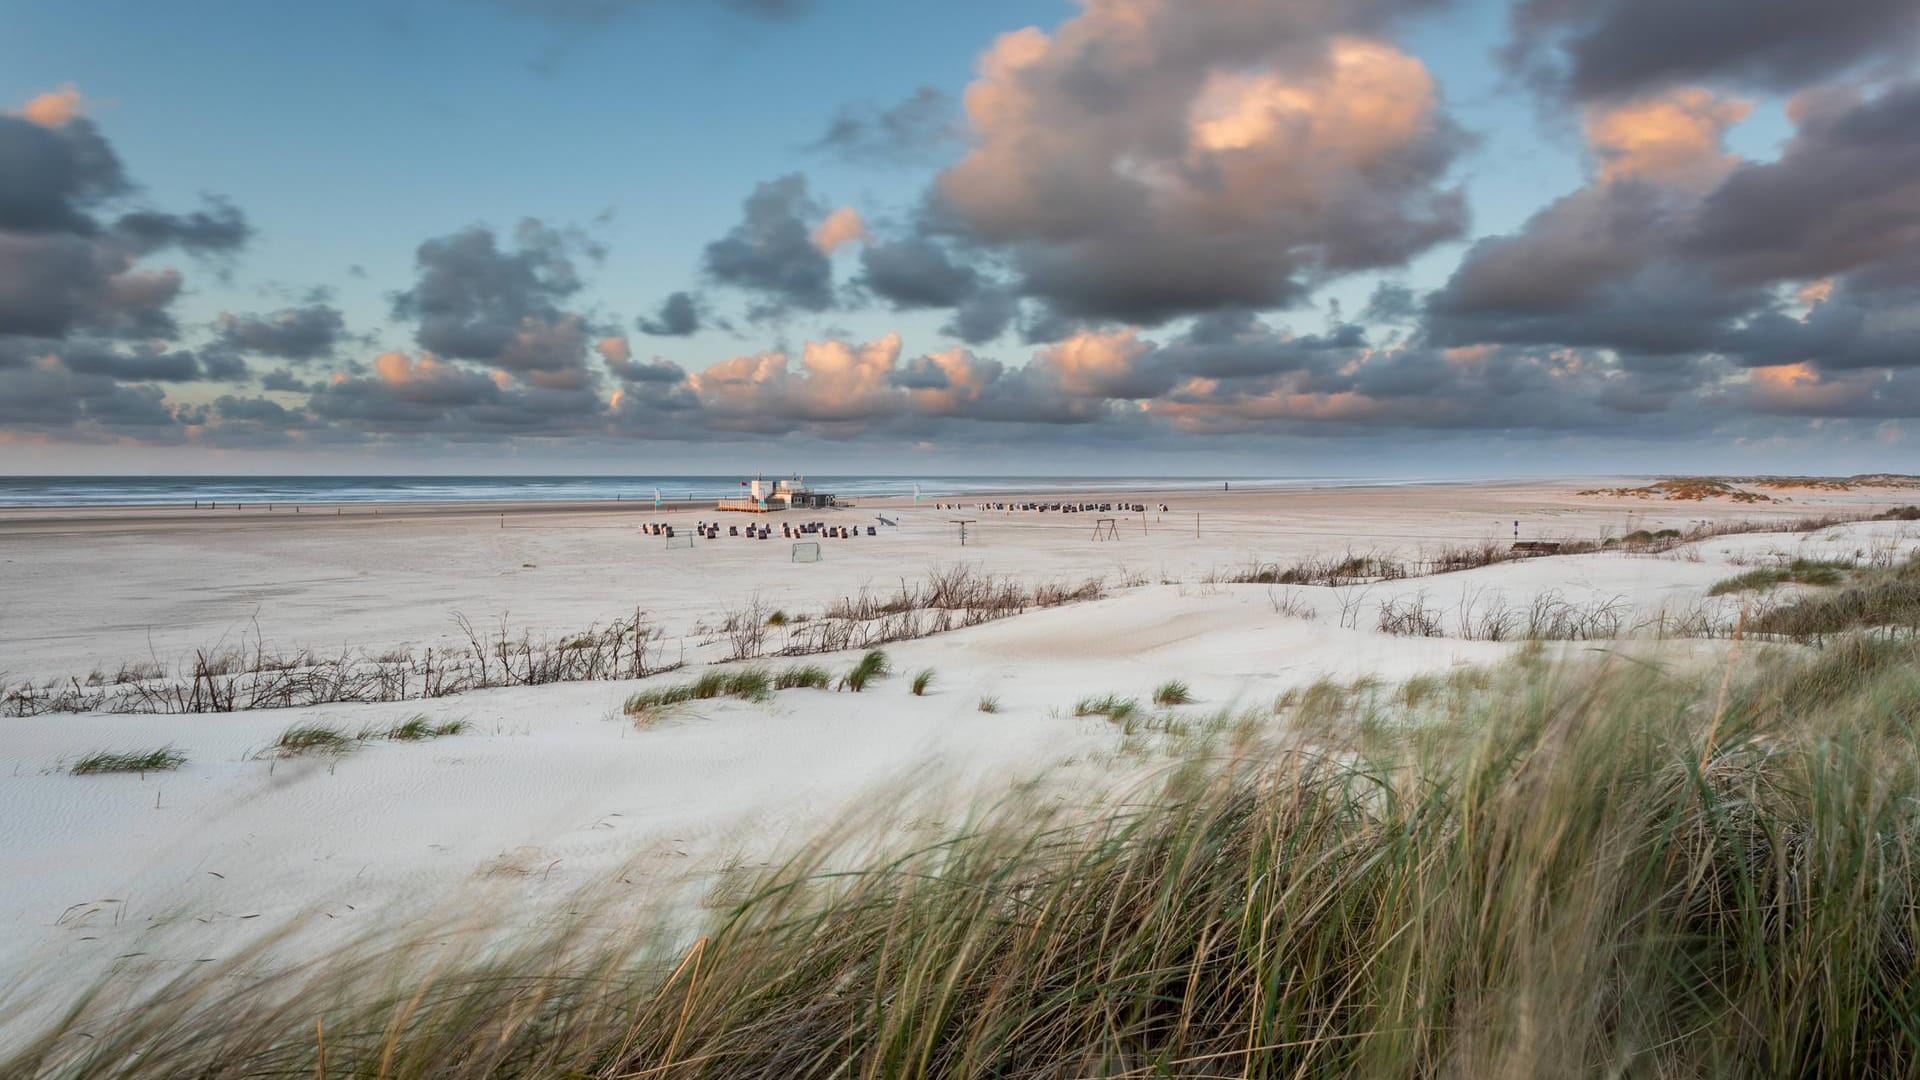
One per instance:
[(766, 497)]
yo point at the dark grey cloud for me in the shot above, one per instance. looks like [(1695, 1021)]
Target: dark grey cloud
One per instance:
[(912, 131), (51, 178), (984, 316), (53, 398), (919, 272), (653, 371), (1237, 345), (298, 334), (1630, 265), (259, 411), (770, 254), (145, 364), (62, 272), (916, 272), (477, 300), (473, 296), (678, 316), (1844, 194), (1597, 49), (220, 228), (280, 379)]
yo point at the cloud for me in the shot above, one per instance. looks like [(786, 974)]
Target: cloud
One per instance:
[(218, 229), (1390, 303), (298, 334), (50, 397), (476, 300), (909, 132), (1844, 194), (473, 297), (65, 271), (771, 253), (51, 178), (1674, 249), (679, 316), (842, 227), (285, 381), (1675, 139), (916, 272), (1150, 159), (837, 382), (1611, 49), (55, 108), (619, 359), (148, 364)]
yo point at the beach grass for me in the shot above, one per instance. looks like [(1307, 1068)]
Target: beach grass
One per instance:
[(988, 703), (165, 759), (1112, 706), (1628, 867), (922, 682), (1797, 572), (1173, 692), (804, 677), (417, 728), (314, 739), (748, 684), (873, 665)]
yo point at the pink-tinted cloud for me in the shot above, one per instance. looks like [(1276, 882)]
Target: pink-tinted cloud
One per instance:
[(842, 227), (55, 108), (1676, 138), (1151, 158)]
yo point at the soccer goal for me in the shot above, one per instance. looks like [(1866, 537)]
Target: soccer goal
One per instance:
[(807, 552), (679, 540)]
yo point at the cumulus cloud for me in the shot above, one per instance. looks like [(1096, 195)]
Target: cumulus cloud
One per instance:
[(298, 334), (218, 229), (1676, 249), (842, 227), (618, 355), (55, 108), (473, 296), (678, 316), (87, 332), (771, 253), (1676, 138), (1597, 49), (477, 300), (1150, 159), (916, 272)]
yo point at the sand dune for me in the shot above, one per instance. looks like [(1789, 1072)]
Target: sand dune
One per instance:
[(552, 789)]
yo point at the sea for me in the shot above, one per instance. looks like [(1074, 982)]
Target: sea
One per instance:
[(55, 491)]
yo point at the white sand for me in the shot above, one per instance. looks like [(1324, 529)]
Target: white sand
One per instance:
[(553, 790)]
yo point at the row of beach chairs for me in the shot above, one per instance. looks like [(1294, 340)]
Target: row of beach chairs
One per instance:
[(710, 530), (1055, 507)]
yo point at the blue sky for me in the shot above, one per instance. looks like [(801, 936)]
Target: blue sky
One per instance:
[(348, 135)]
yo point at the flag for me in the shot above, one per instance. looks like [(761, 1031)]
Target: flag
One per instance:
[(656, 498), (916, 494)]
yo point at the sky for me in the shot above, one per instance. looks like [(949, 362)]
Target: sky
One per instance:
[(1131, 237)]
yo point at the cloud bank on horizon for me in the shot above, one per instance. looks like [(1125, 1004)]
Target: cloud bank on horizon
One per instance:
[(1116, 233)]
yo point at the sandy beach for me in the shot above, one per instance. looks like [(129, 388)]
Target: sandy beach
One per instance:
[(548, 790)]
